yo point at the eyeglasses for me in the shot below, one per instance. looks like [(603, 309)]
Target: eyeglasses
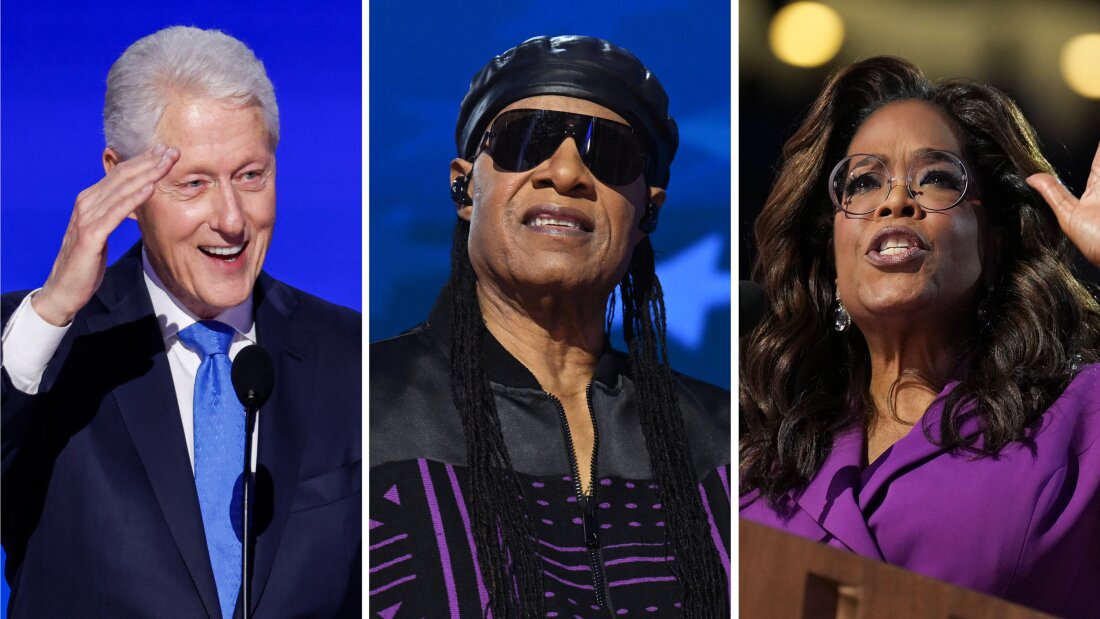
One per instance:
[(937, 180), (519, 140)]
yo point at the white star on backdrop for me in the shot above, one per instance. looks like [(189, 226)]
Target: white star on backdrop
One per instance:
[(693, 285)]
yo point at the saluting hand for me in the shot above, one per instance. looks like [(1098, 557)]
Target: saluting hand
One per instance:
[(78, 270), (1079, 218)]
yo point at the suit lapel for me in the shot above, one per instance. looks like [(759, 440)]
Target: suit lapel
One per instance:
[(282, 423), (844, 496), (151, 414), (911, 451), (831, 496)]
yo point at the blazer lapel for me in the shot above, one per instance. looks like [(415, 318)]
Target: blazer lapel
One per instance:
[(282, 423), (151, 414), (909, 452), (831, 498)]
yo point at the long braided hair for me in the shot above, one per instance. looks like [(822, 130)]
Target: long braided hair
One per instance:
[(503, 531)]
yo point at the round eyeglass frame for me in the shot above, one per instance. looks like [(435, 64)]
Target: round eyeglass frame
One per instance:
[(891, 181)]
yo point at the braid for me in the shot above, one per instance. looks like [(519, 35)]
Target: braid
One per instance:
[(697, 565), (502, 528), (503, 532)]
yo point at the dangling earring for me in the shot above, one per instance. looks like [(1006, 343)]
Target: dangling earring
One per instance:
[(841, 319)]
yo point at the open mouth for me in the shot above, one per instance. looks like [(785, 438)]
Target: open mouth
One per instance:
[(895, 245), (227, 254), (553, 218), (551, 221)]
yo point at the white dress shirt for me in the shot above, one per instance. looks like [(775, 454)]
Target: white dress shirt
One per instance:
[(29, 342)]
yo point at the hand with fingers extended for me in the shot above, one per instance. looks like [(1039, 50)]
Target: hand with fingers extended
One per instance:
[(99, 209), (1079, 217)]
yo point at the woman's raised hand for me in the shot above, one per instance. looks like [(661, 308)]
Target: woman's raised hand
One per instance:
[(1079, 217)]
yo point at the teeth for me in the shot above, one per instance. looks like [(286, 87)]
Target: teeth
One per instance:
[(229, 254), (892, 246), (223, 251), (547, 221)]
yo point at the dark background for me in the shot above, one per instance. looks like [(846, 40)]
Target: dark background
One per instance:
[(1011, 44)]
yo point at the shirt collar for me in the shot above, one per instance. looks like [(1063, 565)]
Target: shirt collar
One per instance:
[(173, 316)]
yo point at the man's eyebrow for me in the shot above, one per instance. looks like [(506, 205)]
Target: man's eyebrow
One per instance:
[(204, 167)]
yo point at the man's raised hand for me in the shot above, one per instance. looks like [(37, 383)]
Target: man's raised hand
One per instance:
[(99, 209)]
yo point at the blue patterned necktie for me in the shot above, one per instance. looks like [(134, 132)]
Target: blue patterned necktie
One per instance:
[(219, 454)]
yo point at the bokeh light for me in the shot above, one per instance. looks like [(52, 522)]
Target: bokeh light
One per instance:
[(806, 34), (1080, 64)]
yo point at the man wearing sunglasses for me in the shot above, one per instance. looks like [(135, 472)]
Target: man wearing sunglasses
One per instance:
[(520, 464)]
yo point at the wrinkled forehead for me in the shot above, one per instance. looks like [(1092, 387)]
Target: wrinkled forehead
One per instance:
[(560, 103), (194, 119)]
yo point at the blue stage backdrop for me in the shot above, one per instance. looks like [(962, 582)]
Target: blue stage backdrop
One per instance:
[(55, 57), (422, 56)]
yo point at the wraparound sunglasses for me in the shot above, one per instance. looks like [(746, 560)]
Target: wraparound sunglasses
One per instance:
[(519, 140)]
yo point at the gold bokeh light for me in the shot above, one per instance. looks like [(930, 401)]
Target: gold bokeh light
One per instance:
[(1081, 64), (806, 34)]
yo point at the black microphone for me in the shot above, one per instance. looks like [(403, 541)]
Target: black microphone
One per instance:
[(752, 305), (253, 378)]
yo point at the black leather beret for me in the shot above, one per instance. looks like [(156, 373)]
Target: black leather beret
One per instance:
[(573, 66)]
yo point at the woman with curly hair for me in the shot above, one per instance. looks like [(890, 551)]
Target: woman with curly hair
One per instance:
[(925, 389)]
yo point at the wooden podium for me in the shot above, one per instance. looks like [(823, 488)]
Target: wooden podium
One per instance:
[(783, 576)]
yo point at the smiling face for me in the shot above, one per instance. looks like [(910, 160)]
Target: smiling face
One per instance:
[(900, 263), (207, 227), (554, 226)]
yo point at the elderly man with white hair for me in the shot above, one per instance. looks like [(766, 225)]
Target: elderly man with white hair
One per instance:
[(123, 440)]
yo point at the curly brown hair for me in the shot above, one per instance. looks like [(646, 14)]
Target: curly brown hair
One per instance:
[(801, 382)]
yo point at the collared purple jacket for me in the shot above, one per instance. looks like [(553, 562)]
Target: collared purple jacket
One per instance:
[(1024, 525)]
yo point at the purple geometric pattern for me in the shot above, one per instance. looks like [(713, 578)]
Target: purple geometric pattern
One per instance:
[(715, 534), (482, 593), (440, 537), (427, 541), (392, 565), (392, 496), (390, 612)]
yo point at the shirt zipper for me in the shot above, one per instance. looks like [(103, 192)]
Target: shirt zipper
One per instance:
[(586, 502)]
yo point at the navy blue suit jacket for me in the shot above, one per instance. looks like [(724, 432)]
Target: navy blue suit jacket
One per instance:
[(100, 513)]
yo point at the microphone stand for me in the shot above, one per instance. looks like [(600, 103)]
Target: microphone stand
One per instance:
[(253, 378), (246, 522)]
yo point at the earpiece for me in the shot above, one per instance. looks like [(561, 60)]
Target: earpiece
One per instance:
[(648, 222), (459, 193)]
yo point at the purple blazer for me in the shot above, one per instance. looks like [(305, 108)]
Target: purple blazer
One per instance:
[(1024, 526)]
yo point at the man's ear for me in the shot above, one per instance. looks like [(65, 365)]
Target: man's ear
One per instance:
[(461, 182), (657, 196), (110, 160), (650, 212)]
